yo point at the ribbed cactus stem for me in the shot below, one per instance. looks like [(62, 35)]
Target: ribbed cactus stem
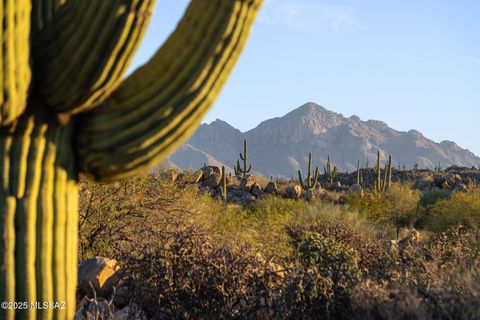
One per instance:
[(38, 192), (81, 51), (331, 174), (359, 172), (389, 172), (384, 180), (15, 72), (311, 181), (242, 171), (378, 174), (223, 185)]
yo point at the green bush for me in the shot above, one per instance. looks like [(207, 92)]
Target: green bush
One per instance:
[(331, 258), (431, 197), (460, 208), (398, 206)]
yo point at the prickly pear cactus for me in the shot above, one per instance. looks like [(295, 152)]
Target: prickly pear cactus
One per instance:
[(66, 108)]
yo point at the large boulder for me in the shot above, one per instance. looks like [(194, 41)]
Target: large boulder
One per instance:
[(240, 196), (248, 183), (461, 187), (453, 179), (271, 188), (211, 176), (293, 192), (102, 273), (426, 182), (356, 189), (257, 191)]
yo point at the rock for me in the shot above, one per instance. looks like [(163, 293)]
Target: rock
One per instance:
[(211, 176), (293, 192), (468, 182), (356, 189), (461, 187), (309, 195), (247, 183), (337, 186), (198, 176), (439, 181), (257, 191), (122, 294), (240, 196), (209, 170), (271, 188), (102, 273), (99, 309), (213, 181), (445, 185), (423, 184), (133, 312), (453, 179)]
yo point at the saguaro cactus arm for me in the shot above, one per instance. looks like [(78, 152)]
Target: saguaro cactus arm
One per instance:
[(158, 106), (43, 12), (15, 73), (137, 123), (81, 63)]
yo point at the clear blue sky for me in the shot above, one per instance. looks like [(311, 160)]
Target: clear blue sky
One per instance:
[(414, 64)]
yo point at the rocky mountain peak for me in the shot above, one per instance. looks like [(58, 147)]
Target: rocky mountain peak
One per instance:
[(279, 146)]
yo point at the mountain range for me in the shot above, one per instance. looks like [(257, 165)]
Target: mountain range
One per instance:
[(280, 146)]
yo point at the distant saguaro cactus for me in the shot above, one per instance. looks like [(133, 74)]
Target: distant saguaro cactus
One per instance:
[(239, 170), (330, 172), (382, 184), (65, 108), (311, 181), (359, 175), (223, 185)]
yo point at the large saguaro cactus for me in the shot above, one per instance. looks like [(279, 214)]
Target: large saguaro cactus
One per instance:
[(65, 108)]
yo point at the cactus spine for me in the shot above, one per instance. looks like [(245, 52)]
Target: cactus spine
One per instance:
[(73, 113), (311, 181), (223, 185), (239, 170)]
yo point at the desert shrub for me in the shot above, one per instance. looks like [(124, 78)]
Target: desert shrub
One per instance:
[(376, 300), (186, 255), (441, 280), (401, 205), (330, 258), (345, 227), (460, 208), (397, 206), (181, 273), (431, 197), (106, 210), (319, 280)]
